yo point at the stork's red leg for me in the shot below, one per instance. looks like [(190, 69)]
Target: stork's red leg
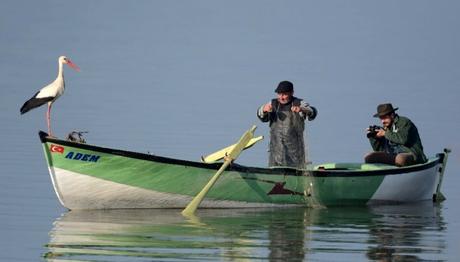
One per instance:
[(48, 119)]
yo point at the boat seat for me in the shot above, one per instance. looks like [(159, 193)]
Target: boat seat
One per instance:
[(352, 166)]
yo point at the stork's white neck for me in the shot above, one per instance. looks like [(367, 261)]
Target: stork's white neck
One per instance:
[(61, 70)]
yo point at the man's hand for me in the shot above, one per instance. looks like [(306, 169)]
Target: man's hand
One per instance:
[(380, 133), (267, 107), (296, 109)]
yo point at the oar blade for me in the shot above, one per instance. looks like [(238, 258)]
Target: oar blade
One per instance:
[(218, 155)]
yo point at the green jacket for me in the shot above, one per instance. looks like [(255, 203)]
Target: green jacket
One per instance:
[(401, 137)]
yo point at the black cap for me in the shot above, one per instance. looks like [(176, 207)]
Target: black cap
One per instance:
[(284, 87)]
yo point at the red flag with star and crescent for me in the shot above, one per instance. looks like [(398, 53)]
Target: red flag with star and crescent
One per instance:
[(57, 149)]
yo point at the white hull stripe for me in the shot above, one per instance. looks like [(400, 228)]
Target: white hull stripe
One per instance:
[(415, 186), (78, 191)]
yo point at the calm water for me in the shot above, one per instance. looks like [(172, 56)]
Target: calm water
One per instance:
[(283, 234), (183, 78)]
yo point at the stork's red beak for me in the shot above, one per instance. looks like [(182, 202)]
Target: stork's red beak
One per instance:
[(74, 66)]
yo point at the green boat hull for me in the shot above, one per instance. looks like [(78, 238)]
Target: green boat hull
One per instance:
[(91, 177)]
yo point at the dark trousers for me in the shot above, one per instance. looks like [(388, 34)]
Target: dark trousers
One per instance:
[(401, 159)]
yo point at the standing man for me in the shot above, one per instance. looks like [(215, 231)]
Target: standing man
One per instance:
[(397, 143), (286, 115)]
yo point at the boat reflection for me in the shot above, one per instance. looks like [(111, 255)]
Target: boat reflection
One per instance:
[(407, 233), (384, 233)]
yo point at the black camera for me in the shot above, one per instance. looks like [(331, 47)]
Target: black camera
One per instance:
[(373, 131)]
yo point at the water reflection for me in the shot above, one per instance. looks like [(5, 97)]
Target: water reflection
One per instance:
[(405, 233), (385, 233)]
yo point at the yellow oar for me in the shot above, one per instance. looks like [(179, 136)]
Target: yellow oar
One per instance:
[(233, 154), (218, 155)]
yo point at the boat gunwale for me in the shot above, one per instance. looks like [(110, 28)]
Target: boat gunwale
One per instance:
[(286, 171)]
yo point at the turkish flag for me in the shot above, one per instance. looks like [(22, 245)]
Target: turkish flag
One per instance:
[(57, 149)]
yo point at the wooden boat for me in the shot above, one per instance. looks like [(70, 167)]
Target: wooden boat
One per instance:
[(91, 177)]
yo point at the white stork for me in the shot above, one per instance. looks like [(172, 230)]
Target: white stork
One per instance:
[(49, 93)]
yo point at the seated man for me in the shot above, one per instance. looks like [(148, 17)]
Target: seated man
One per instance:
[(397, 143)]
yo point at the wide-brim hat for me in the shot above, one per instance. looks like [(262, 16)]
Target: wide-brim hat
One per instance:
[(385, 109), (284, 87)]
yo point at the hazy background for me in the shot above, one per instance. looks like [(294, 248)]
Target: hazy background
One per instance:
[(184, 78)]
